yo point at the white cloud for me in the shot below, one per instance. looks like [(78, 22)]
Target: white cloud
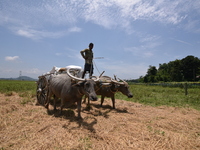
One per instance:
[(184, 42), (40, 34), (58, 54), (147, 47), (36, 15), (11, 58), (74, 29), (141, 51), (26, 33), (149, 38)]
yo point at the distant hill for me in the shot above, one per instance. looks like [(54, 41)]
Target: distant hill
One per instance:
[(24, 78)]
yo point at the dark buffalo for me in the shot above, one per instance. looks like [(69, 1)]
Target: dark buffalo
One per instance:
[(70, 89), (111, 89)]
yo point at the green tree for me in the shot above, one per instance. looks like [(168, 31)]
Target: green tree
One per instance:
[(163, 72), (190, 67), (176, 73), (186, 69), (151, 74)]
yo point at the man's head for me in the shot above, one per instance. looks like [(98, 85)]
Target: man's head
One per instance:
[(91, 45)]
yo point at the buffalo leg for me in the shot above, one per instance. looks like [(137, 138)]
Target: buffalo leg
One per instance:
[(102, 100), (85, 97), (48, 99), (54, 102), (62, 105), (79, 108), (113, 101), (88, 101)]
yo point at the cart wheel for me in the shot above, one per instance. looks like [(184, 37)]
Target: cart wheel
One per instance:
[(41, 91)]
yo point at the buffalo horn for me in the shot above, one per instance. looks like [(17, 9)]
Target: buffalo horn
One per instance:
[(115, 77), (115, 81), (73, 77), (123, 81), (101, 74), (76, 78), (96, 78)]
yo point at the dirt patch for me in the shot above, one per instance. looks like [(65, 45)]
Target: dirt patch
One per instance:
[(129, 126)]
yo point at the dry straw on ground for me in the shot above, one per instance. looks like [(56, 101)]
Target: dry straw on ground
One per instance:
[(129, 126)]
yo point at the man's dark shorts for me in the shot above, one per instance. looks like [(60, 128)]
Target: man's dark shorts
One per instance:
[(88, 67)]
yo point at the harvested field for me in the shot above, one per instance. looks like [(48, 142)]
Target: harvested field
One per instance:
[(129, 126)]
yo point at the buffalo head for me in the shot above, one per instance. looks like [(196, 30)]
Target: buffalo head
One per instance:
[(85, 86), (123, 87)]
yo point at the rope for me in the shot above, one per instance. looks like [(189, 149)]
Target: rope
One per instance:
[(96, 67)]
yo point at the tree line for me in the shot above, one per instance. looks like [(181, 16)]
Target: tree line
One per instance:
[(186, 69)]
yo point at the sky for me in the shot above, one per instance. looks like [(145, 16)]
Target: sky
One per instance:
[(128, 35)]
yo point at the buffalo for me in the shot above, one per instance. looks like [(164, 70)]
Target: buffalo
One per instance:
[(110, 90), (70, 89)]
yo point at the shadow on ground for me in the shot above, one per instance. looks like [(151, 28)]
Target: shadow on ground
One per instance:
[(92, 111)]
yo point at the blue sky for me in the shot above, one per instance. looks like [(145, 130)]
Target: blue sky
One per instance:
[(129, 34)]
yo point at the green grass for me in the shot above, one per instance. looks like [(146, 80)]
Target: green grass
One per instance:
[(24, 88), (158, 96), (153, 95)]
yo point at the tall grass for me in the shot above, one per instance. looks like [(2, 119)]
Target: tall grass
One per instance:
[(153, 95), (22, 87), (158, 96)]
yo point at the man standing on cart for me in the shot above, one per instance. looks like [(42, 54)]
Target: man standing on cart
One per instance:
[(87, 54)]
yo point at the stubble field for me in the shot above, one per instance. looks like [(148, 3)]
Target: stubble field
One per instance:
[(23, 125)]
